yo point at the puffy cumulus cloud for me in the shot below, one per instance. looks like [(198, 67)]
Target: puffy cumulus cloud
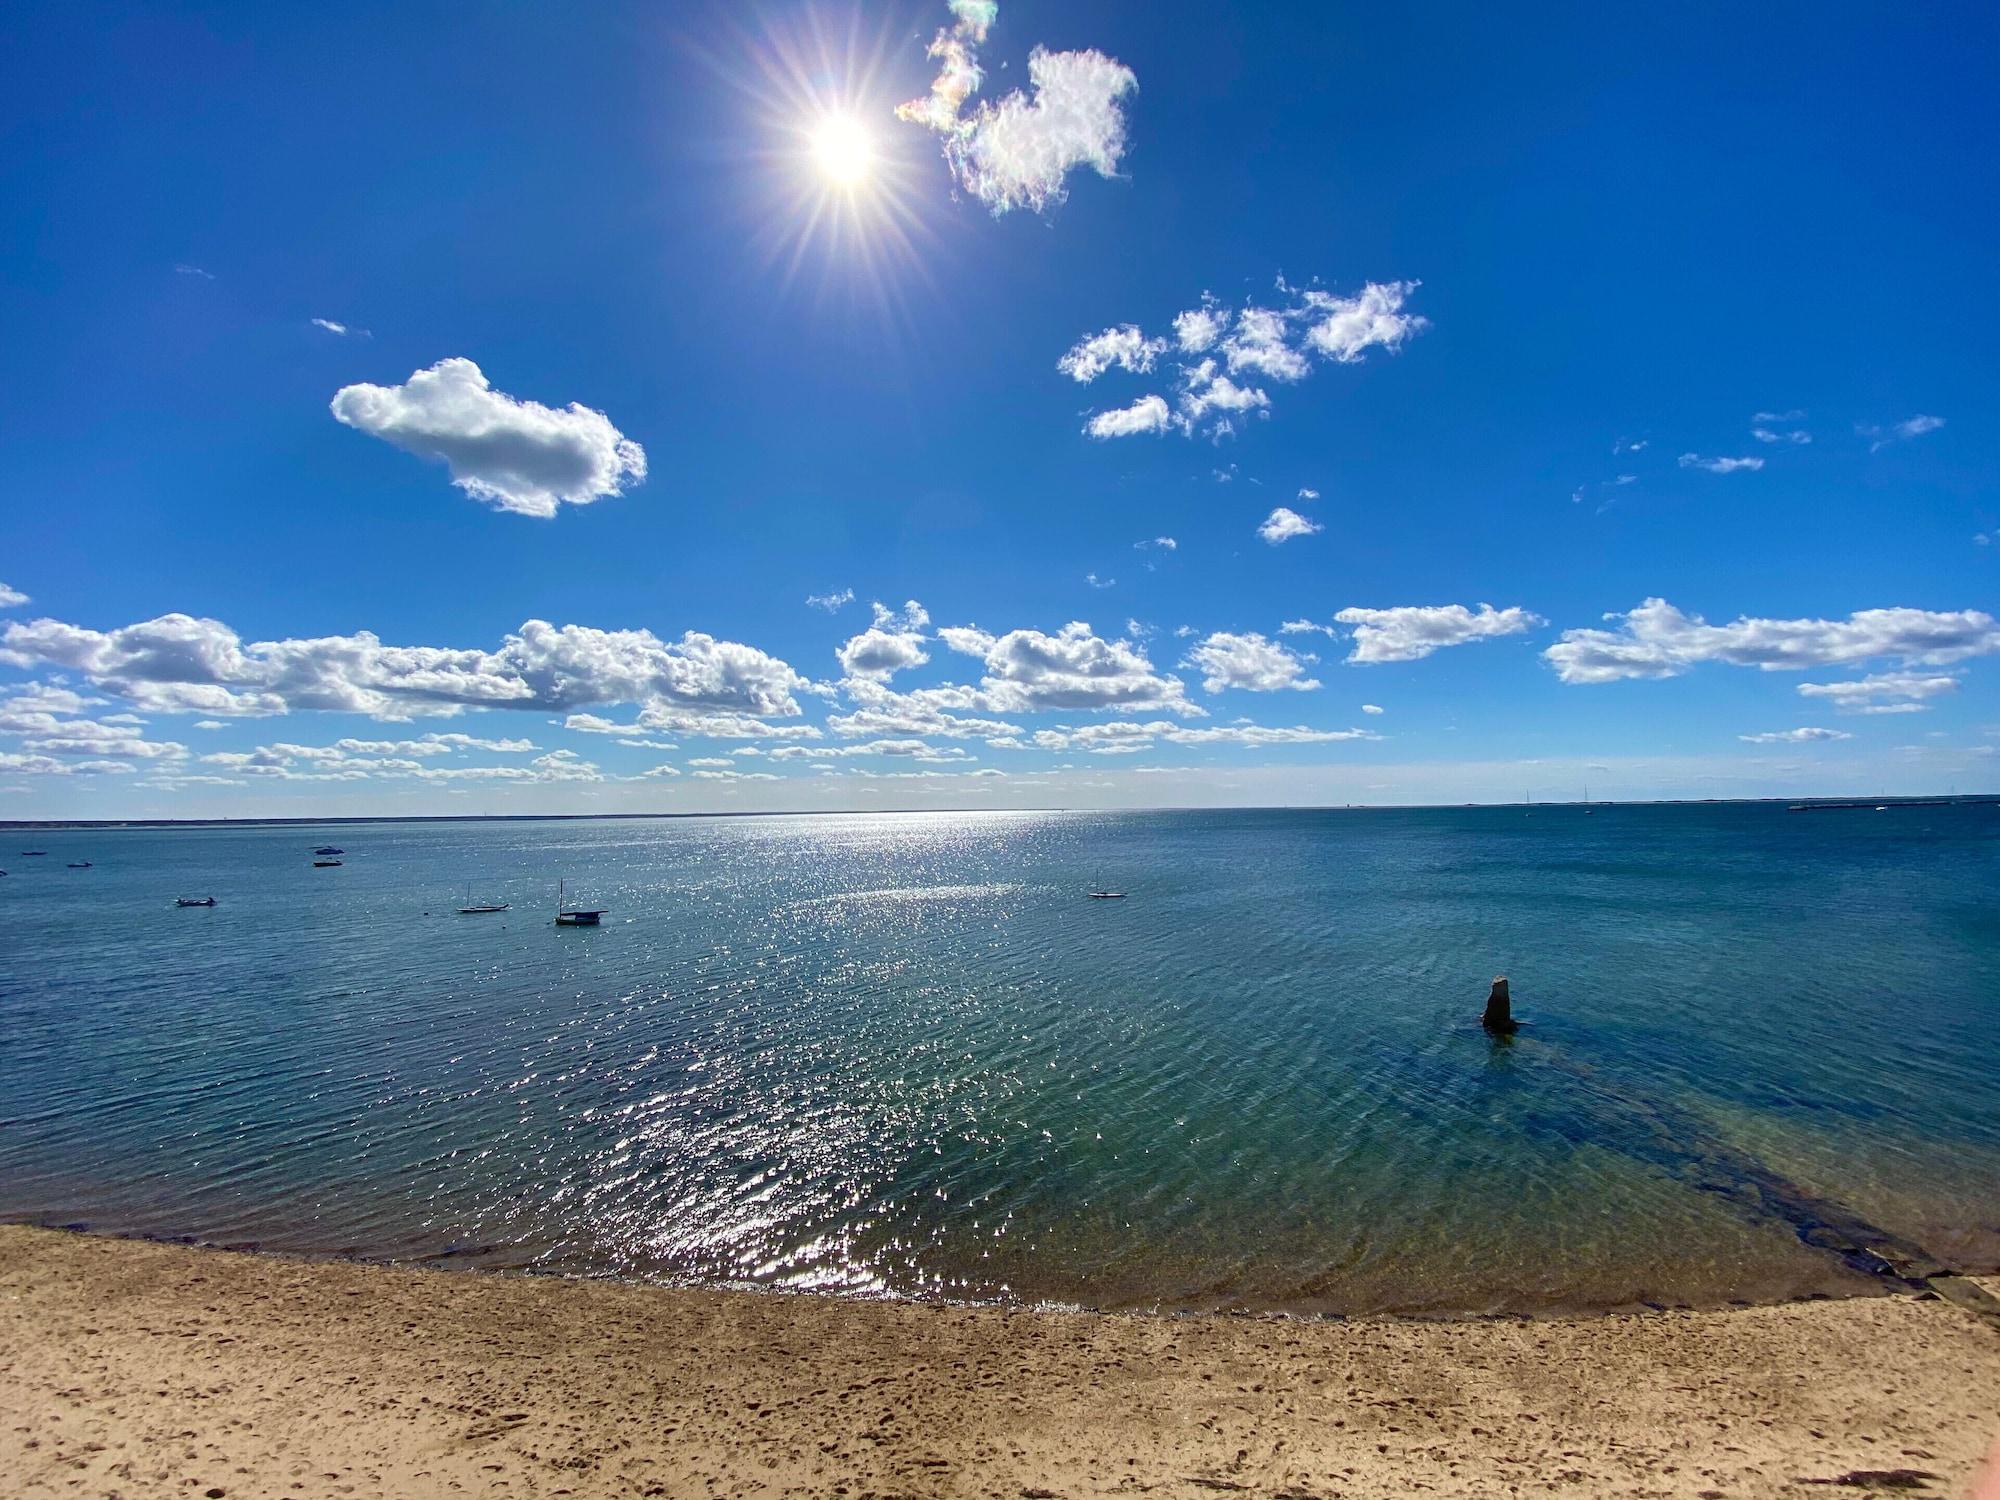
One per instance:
[(11, 598), (1346, 328), (1720, 465), (516, 455), (1124, 347), (947, 712), (94, 739), (1147, 414), (1801, 736), (1016, 152), (1883, 693), (893, 642), (1412, 631), (1130, 737), (832, 600), (48, 765), (1219, 355), (1898, 432), (702, 724), (179, 663), (1199, 328), (1658, 640), (1284, 523), (1029, 670), (1249, 662)]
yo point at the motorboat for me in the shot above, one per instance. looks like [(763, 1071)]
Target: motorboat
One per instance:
[(325, 864), (79, 864), (1107, 895), (194, 900), (329, 849)]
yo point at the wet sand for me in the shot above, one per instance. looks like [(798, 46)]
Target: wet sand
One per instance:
[(136, 1369)]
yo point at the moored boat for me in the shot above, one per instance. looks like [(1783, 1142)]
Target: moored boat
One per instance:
[(325, 864), (194, 900), (576, 916)]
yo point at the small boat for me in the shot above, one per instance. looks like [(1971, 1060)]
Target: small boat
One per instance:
[(476, 908), (79, 864), (194, 900), (325, 864), (328, 849), (33, 853), (1107, 895), (575, 916)]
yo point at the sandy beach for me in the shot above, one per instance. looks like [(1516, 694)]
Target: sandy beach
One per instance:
[(129, 1368)]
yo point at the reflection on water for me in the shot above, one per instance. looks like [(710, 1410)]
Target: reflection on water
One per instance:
[(907, 1055)]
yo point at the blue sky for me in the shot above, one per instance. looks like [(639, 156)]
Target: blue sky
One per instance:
[(1506, 293)]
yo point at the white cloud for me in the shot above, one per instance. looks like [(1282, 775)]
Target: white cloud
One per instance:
[(1164, 543), (341, 330), (1658, 640), (1016, 152), (1205, 392), (1250, 662), (1371, 708), (1800, 736), (1345, 328), (1260, 342), (1308, 627), (1794, 435), (1128, 737), (1308, 494), (196, 271), (1883, 693), (1720, 465), (1027, 671), (1197, 329), (11, 598), (1147, 414), (1124, 347), (1628, 445), (1898, 432), (1099, 583), (1255, 342), (517, 455), (831, 601), (178, 663), (1282, 524), (912, 749), (893, 642), (1412, 631), (209, 724)]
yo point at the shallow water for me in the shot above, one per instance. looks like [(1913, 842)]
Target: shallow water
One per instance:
[(906, 1054)]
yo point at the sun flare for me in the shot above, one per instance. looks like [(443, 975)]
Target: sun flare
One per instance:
[(842, 150)]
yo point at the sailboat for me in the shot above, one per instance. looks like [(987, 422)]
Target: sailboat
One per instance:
[(578, 916), (474, 908)]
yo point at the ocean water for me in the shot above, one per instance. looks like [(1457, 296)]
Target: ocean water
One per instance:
[(907, 1055)]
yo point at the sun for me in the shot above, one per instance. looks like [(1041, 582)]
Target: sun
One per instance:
[(843, 151)]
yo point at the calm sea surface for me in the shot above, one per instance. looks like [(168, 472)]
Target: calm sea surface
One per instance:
[(907, 1055)]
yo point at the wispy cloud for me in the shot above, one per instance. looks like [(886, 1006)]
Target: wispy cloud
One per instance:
[(1165, 543), (1017, 152), (831, 601), (1099, 583), (195, 271), (341, 330), (517, 455), (1720, 465), (11, 598), (1898, 432), (1806, 735)]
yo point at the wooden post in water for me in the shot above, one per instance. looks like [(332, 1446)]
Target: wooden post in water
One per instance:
[(1499, 1015)]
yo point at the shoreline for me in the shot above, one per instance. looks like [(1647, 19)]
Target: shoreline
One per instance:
[(147, 1367)]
